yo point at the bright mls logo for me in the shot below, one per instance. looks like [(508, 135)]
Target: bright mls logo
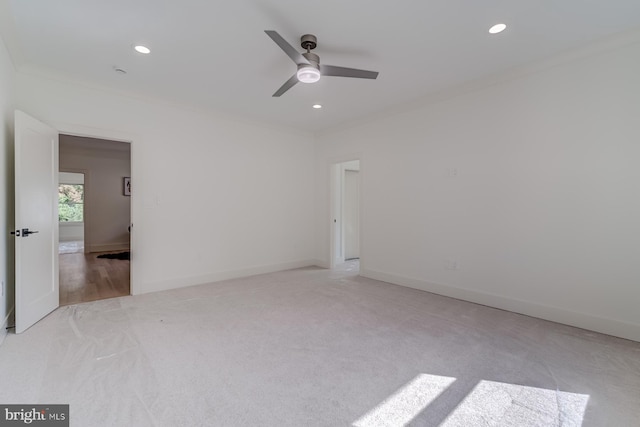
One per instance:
[(34, 415)]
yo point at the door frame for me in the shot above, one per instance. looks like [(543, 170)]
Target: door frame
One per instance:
[(336, 187), (133, 140), (346, 201)]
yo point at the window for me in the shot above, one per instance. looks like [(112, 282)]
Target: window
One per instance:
[(71, 202)]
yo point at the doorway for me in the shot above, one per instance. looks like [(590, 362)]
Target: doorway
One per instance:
[(36, 175), (94, 219), (345, 234)]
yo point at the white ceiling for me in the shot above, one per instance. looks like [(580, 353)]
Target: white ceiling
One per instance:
[(215, 54)]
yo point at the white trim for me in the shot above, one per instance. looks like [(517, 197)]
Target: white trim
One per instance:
[(96, 133), (321, 263), (335, 184), (4, 332), (31, 70), (616, 41), (630, 331), (183, 282), (334, 224), (111, 135)]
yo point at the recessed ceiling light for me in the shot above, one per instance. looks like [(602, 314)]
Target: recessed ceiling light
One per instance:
[(498, 28), (317, 106), (142, 49)]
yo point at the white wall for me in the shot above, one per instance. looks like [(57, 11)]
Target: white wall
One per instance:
[(74, 232), (531, 187), (6, 188), (107, 209), (213, 197)]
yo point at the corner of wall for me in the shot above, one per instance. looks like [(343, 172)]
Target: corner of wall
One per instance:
[(321, 263), (184, 282)]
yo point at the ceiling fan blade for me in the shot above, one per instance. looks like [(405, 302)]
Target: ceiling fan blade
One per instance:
[(332, 70), (288, 49), (287, 85)]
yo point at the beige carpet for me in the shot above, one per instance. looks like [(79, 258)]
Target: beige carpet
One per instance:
[(313, 347)]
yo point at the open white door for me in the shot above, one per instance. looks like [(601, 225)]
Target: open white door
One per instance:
[(36, 233)]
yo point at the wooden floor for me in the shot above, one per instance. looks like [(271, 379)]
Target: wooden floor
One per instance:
[(85, 277)]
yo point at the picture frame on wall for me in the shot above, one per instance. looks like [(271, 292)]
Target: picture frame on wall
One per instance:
[(127, 186)]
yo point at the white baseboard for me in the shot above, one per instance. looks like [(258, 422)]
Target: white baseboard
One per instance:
[(5, 324), (108, 247), (184, 282), (321, 263), (603, 325)]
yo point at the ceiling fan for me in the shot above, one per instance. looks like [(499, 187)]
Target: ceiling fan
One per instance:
[(309, 67)]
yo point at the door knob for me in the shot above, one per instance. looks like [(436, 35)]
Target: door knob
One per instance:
[(26, 232)]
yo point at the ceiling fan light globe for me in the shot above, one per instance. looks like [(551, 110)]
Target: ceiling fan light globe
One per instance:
[(308, 74)]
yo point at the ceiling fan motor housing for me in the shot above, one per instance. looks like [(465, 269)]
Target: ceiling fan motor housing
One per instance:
[(308, 42)]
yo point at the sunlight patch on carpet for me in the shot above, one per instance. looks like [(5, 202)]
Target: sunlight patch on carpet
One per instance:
[(406, 403), (490, 403), (500, 404)]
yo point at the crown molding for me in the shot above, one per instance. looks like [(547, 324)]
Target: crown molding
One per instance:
[(598, 47)]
